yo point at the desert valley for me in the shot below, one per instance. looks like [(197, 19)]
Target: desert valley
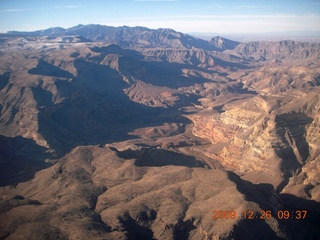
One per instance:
[(135, 133)]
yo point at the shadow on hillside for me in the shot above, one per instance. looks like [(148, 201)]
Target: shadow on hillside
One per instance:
[(47, 69), (267, 199), (293, 202), (169, 74), (291, 128), (308, 228), (154, 157), (4, 80), (20, 159), (252, 229), (135, 230), (95, 110)]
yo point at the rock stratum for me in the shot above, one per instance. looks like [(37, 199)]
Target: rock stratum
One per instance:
[(133, 133)]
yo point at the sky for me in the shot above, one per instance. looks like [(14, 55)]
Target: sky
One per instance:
[(197, 16)]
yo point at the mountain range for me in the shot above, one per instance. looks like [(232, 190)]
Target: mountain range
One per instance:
[(135, 133)]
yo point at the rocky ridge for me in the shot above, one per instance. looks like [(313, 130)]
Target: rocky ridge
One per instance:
[(146, 141), (112, 198)]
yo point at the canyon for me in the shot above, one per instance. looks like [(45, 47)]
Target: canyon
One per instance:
[(134, 133)]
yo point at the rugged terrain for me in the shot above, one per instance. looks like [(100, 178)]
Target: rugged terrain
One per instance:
[(142, 134)]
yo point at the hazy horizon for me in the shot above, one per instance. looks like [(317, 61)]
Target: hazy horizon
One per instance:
[(310, 36), (184, 16)]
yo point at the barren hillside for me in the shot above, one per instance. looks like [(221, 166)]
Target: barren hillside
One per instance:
[(133, 133)]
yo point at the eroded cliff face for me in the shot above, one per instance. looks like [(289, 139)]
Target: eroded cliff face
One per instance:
[(269, 138), (305, 183), (242, 138)]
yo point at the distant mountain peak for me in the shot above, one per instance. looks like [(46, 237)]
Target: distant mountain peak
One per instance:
[(223, 43)]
